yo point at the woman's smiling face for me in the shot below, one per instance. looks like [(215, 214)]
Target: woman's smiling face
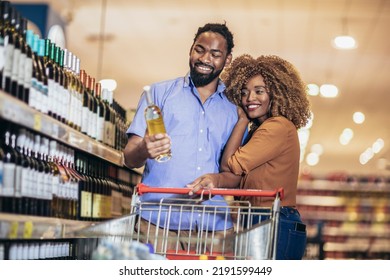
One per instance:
[(255, 98)]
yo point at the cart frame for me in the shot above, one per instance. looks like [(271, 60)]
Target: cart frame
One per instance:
[(201, 239)]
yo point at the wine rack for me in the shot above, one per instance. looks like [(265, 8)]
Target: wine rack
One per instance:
[(20, 234)]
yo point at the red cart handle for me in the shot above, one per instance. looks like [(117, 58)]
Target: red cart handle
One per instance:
[(142, 189)]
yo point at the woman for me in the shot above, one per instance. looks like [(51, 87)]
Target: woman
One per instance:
[(272, 100)]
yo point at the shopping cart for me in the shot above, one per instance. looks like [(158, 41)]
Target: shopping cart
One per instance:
[(202, 238)]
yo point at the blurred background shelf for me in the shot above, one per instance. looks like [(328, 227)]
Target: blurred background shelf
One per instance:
[(346, 220)]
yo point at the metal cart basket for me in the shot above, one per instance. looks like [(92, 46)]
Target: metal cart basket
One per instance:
[(236, 238)]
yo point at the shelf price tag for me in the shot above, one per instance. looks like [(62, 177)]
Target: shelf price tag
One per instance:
[(37, 122), (13, 231), (28, 229)]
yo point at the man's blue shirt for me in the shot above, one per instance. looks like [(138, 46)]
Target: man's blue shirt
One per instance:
[(198, 134)]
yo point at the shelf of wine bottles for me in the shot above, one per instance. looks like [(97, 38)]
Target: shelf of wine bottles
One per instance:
[(61, 142), (42, 177), (49, 190), (48, 79)]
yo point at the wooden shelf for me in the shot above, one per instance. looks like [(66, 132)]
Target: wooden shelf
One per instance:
[(13, 226)]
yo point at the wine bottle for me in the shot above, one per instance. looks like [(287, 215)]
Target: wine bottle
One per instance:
[(86, 104), (17, 53), (52, 75), (62, 96), (34, 175), (101, 113), (20, 72), (56, 178), (47, 177), (27, 176), (1, 177), (85, 194), (71, 88), (107, 123), (27, 68), (3, 15), (9, 170), (44, 86), (75, 69), (94, 109), (41, 186), (9, 47), (155, 122)]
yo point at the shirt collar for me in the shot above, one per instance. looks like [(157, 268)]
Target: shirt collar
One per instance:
[(220, 88)]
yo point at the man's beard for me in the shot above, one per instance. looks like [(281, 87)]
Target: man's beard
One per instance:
[(201, 80)]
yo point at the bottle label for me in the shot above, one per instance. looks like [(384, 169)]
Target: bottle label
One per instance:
[(32, 191), (100, 132), (1, 53), (51, 102), (86, 204), (28, 68), (156, 126), (21, 66), (85, 122), (24, 182), (48, 186), (116, 204), (18, 181), (40, 185), (1, 177), (55, 183), (9, 54), (9, 179), (15, 64), (96, 205)]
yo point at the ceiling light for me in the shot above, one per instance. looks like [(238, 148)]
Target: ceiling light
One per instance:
[(358, 117), (329, 91), (313, 89), (378, 145), (312, 159), (366, 156), (344, 42), (346, 136)]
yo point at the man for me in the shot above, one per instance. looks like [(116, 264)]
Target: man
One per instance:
[(198, 119)]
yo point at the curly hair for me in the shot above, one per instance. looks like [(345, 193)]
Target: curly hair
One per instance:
[(283, 82), (219, 28)]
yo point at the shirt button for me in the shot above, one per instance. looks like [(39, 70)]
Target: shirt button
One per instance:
[(200, 149), (202, 112), (201, 131), (198, 168)]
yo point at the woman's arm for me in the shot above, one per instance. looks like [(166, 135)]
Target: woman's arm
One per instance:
[(235, 139)]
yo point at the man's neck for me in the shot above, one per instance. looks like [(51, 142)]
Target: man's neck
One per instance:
[(207, 90)]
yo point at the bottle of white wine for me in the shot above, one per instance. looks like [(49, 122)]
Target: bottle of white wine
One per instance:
[(155, 122)]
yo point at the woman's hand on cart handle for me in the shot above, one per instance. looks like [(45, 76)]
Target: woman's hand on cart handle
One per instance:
[(205, 182)]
